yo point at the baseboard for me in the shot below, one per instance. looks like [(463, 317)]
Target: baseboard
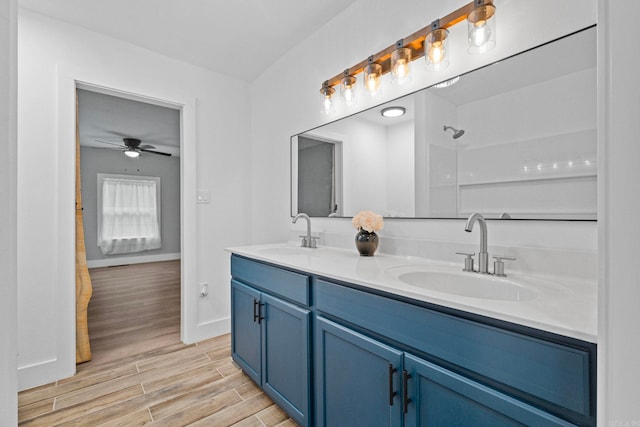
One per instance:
[(211, 329), (111, 262), (40, 373)]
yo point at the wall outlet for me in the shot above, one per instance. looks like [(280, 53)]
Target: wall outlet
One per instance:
[(204, 289)]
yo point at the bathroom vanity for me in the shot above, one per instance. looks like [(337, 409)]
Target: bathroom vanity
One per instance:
[(341, 340)]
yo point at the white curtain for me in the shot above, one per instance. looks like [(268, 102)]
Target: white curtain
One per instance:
[(129, 216)]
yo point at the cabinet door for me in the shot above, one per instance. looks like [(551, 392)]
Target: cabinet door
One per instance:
[(245, 329), (439, 397), (357, 379), (286, 356)]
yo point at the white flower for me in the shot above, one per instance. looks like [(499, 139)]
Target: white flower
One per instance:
[(368, 220)]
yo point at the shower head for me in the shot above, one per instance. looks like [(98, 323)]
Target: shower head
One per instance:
[(456, 133)]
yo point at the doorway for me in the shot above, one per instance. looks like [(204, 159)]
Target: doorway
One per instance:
[(136, 286)]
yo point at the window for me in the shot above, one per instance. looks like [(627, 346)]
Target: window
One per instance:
[(128, 213)]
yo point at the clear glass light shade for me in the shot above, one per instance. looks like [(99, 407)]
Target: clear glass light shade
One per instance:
[(482, 29), (328, 100), (131, 153), (372, 78), (401, 65), (348, 90), (436, 49)]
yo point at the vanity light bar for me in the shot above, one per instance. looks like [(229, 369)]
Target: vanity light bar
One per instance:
[(414, 42)]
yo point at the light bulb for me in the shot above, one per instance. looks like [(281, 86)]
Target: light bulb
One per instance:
[(480, 34), (372, 77), (373, 83), (481, 28), (328, 103), (348, 89), (436, 53), (436, 47), (401, 64)]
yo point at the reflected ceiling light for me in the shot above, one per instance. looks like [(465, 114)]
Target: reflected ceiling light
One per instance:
[(481, 27), (431, 41), (436, 46), (447, 83), (328, 103), (372, 76), (132, 152), (401, 63), (393, 111), (348, 88)]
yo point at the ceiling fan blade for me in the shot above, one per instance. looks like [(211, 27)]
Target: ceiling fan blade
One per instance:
[(147, 147), (109, 142), (156, 152)]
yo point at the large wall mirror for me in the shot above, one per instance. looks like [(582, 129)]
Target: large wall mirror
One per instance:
[(514, 139)]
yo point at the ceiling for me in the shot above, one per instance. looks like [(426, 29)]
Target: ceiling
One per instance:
[(240, 38), (104, 120)]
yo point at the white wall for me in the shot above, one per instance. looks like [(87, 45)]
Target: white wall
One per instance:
[(8, 313), (400, 170), (96, 160), (285, 101), (214, 127), (619, 204)]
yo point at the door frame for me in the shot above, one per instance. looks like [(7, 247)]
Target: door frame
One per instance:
[(68, 81)]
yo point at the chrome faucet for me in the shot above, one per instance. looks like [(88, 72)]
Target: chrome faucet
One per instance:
[(308, 241), (483, 256)]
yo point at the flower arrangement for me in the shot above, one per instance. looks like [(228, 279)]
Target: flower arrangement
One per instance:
[(368, 221)]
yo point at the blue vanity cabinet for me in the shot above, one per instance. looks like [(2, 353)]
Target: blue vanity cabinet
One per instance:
[(246, 333), (438, 397), (383, 360), (357, 378), (462, 371), (270, 332), (363, 381)]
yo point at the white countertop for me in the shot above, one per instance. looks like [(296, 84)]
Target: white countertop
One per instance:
[(561, 305)]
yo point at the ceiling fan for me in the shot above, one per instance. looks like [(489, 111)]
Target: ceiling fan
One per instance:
[(133, 147)]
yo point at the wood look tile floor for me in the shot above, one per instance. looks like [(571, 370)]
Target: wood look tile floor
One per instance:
[(140, 372)]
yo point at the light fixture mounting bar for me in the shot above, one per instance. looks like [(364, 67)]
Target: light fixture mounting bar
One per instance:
[(414, 42)]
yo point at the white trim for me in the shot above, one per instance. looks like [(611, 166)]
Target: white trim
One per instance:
[(68, 78), (112, 262), (212, 328), (36, 374)]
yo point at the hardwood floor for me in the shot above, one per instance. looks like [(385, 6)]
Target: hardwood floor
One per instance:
[(141, 373)]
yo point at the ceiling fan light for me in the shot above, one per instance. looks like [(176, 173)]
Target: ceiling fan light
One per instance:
[(130, 152)]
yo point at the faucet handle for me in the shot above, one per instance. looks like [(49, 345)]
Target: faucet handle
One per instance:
[(498, 265), (468, 261), (303, 241), (313, 243)]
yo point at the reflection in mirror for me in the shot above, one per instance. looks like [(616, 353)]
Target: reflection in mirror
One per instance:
[(515, 139)]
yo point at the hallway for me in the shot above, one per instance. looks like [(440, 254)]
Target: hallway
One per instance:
[(134, 309)]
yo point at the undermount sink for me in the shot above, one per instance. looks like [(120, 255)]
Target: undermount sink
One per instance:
[(471, 285)]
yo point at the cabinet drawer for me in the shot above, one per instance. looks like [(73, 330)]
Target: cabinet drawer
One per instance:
[(290, 285), (553, 373)]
